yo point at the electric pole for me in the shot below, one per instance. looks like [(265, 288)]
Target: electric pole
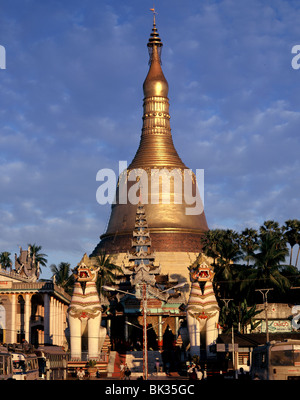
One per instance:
[(226, 301), (265, 292)]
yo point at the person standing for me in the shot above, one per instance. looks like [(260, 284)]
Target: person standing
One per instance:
[(122, 370), (80, 374), (127, 373), (157, 366), (192, 372), (199, 373)]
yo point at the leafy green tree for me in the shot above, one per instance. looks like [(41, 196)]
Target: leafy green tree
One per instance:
[(108, 272), (229, 250), (267, 269), (298, 243), (5, 260), (265, 253), (249, 242), (63, 276), (239, 317), (39, 257), (272, 228), (223, 246), (292, 228), (209, 243), (226, 267)]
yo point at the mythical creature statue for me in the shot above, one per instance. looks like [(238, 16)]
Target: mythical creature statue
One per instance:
[(26, 265), (85, 312), (202, 308)]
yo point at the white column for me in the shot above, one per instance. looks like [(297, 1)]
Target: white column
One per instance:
[(59, 330), (27, 317), (61, 324), (176, 326), (55, 321), (46, 318), (51, 320), (108, 326), (160, 334), (13, 332)]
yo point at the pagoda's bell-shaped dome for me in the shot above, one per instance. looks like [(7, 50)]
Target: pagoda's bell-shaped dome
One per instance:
[(170, 226)]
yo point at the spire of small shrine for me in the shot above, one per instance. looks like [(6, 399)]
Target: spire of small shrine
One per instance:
[(141, 261)]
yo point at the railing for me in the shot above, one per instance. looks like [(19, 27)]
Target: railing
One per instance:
[(42, 286), (103, 357)]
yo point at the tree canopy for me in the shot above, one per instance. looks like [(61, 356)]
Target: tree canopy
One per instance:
[(255, 259)]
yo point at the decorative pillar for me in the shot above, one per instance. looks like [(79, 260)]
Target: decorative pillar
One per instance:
[(27, 317), (160, 334), (126, 329), (60, 324), (51, 333), (108, 326), (56, 321), (46, 319), (65, 318), (176, 326), (13, 332)]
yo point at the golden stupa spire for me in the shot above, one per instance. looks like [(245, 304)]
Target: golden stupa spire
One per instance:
[(172, 229), (156, 148)]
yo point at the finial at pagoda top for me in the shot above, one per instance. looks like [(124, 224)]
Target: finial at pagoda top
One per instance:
[(154, 12), (154, 39), (154, 36), (155, 83)]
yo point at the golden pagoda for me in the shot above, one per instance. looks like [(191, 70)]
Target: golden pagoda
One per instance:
[(175, 235)]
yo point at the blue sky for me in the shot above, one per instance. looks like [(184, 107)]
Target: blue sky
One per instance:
[(71, 104)]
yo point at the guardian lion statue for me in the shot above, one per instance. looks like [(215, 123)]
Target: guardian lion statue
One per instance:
[(202, 308), (85, 312)]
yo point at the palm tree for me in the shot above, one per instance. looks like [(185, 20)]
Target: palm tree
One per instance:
[(292, 233), (39, 257), (224, 247), (209, 243), (239, 316), (229, 254), (249, 242), (267, 268), (5, 261), (272, 228), (229, 247), (108, 272), (63, 276)]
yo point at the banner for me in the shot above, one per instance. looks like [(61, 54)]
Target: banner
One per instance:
[(277, 326)]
